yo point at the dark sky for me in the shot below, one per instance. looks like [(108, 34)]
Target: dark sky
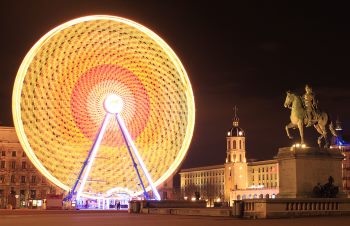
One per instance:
[(244, 55)]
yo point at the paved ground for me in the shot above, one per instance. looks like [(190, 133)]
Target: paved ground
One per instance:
[(125, 219)]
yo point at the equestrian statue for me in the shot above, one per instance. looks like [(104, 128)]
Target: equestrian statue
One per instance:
[(304, 111)]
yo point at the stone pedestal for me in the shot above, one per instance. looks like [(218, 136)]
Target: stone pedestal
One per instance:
[(300, 169)]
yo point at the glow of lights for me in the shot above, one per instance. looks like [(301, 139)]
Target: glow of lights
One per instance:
[(240, 133), (228, 133), (193, 199), (58, 96), (218, 199), (185, 197), (113, 104)]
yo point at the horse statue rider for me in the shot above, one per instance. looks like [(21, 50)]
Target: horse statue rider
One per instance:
[(304, 111), (310, 105)]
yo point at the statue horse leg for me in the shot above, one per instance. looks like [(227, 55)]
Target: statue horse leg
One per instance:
[(323, 134), (301, 130), (290, 125)]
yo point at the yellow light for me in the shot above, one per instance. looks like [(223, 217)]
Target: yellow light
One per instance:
[(43, 114)]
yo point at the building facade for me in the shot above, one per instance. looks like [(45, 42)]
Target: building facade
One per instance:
[(207, 181), (237, 178), (21, 184), (340, 143)]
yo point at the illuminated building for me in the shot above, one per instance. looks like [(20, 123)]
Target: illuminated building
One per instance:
[(236, 179), (21, 184), (208, 181), (60, 116), (344, 146)]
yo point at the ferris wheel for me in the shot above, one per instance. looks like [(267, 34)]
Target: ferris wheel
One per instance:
[(103, 104)]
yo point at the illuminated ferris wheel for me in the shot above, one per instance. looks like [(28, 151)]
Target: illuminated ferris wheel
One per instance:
[(101, 104)]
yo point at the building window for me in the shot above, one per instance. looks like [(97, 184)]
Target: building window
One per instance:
[(2, 179), (2, 165), (240, 158), (13, 165), (228, 144), (33, 179), (1, 193), (13, 179), (263, 169), (240, 144), (32, 194), (3, 153), (13, 153), (234, 144), (24, 165), (22, 194), (23, 179), (263, 177), (24, 154)]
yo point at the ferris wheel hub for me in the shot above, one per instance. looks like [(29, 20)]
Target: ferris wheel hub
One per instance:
[(113, 104)]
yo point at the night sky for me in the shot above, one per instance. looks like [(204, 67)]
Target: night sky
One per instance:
[(247, 56)]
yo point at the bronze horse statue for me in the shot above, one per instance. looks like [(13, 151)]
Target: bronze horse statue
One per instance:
[(298, 119)]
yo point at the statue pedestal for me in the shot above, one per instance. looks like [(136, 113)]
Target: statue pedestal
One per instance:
[(300, 169)]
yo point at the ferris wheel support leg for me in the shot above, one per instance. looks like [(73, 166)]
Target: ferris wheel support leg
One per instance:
[(130, 142), (91, 157), (135, 165)]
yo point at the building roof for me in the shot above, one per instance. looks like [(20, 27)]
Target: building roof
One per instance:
[(263, 162), (203, 168)]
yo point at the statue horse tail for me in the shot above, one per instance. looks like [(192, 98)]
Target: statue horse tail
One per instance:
[(331, 128)]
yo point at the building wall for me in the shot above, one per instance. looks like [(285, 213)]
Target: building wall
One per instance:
[(208, 181), (20, 181), (263, 174)]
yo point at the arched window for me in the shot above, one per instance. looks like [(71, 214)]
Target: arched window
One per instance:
[(267, 196), (240, 158), (240, 144), (261, 196), (234, 144)]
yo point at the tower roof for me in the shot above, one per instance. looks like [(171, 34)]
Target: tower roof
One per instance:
[(235, 131)]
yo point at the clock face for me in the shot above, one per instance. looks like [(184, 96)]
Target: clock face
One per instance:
[(58, 103)]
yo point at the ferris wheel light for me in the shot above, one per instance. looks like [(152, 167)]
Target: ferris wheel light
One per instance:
[(127, 69), (113, 104)]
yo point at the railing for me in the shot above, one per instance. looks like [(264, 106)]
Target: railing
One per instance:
[(307, 206)]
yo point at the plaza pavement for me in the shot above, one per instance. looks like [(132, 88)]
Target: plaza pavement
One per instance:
[(122, 218)]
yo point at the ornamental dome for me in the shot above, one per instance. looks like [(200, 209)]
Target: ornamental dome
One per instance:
[(235, 131)]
